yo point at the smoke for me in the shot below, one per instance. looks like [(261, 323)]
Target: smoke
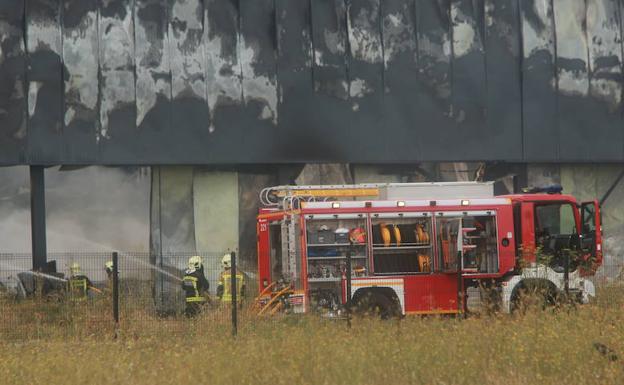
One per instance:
[(87, 209)]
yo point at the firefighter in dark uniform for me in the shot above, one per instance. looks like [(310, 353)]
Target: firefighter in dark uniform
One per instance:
[(195, 286), (79, 285)]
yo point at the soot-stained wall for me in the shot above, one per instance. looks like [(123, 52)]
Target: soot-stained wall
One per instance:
[(242, 81)]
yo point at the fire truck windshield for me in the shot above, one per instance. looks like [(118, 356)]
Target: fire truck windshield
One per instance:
[(555, 231)]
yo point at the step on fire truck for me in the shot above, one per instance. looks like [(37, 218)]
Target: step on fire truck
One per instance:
[(415, 248)]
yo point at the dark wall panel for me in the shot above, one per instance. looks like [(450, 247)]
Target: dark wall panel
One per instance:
[(433, 94), (81, 123), (118, 110), (539, 83), (223, 78), (259, 118), (276, 81), (13, 87), (468, 80), (400, 63), (190, 115), (603, 105), (574, 110), (296, 86), (44, 74), (153, 81), (365, 80), (328, 20), (503, 79)]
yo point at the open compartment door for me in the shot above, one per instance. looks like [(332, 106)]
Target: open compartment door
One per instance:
[(591, 232)]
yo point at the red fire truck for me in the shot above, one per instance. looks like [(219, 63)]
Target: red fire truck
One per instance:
[(415, 248)]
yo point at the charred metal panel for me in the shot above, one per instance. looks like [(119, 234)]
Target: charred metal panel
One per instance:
[(258, 60), (223, 78), (400, 65), (188, 85), (365, 79), (44, 74), (81, 84), (503, 79), (328, 20), (468, 112), (153, 79), (223, 71), (329, 37), (296, 87), (118, 112), (604, 105), (433, 95), (574, 110), (13, 100), (539, 84), (277, 81)]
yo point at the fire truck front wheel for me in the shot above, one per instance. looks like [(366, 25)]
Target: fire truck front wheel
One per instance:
[(534, 293), (375, 303)]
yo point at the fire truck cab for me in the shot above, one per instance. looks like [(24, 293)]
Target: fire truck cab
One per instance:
[(415, 248)]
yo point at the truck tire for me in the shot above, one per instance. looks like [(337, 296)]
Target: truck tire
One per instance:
[(377, 305), (539, 294)]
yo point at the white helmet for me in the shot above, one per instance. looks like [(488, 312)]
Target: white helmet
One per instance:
[(226, 261), (195, 262)]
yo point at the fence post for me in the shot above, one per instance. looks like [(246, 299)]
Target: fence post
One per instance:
[(566, 273), (116, 288), (348, 281), (461, 295), (234, 293)]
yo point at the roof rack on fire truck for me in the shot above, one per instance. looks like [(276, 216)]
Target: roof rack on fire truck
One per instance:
[(289, 197)]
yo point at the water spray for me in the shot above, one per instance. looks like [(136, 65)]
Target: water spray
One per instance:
[(34, 273)]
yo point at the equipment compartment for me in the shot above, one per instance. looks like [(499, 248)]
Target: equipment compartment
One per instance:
[(401, 243)]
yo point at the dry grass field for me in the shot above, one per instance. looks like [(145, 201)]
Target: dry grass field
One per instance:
[(538, 347)]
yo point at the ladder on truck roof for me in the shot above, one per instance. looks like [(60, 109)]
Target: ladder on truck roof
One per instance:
[(288, 197)]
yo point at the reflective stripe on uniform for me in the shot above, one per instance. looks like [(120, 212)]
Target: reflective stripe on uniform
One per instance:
[(226, 282), (192, 281), (196, 299), (78, 288)]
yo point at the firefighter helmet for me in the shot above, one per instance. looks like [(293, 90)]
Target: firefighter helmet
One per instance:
[(195, 262), (74, 269), (226, 261)]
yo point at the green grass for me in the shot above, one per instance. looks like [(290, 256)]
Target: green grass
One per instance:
[(545, 347)]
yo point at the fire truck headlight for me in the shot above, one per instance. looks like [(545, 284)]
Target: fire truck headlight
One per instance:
[(335, 205), (465, 202), (400, 204)]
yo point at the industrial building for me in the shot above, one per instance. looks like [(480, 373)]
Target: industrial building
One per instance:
[(210, 101)]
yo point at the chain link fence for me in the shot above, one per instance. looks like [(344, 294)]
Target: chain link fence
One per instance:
[(150, 291), (151, 296)]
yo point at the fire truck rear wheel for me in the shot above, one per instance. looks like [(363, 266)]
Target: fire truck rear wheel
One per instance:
[(376, 304)]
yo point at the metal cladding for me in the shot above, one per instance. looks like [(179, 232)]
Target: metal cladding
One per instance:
[(242, 81)]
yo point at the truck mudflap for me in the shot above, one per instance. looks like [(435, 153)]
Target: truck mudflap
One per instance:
[(576, 283)]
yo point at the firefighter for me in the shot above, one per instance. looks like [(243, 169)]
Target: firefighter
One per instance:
[(224, 289), (109, 270), (195, 286), (79, 285)]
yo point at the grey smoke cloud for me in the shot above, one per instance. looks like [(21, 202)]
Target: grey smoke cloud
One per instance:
[(87, 209)]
